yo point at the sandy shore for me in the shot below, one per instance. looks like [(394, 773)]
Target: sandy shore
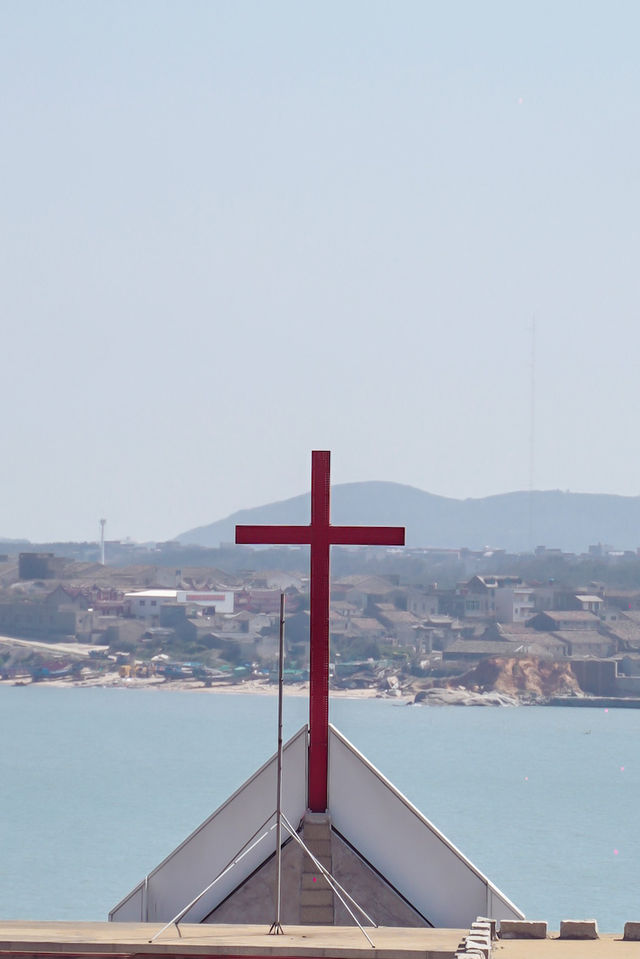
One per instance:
[(254, 687)]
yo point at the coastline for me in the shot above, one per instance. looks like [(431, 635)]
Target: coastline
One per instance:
[(252, 687), (410, 696)]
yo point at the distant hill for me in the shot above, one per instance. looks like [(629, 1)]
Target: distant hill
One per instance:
[(570, 521)]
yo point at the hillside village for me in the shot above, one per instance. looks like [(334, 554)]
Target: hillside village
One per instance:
[(208, 626)]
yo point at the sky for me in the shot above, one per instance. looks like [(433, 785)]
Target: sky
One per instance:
[(234, 232)]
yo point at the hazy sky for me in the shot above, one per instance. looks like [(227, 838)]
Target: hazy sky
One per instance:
[(237, 231)]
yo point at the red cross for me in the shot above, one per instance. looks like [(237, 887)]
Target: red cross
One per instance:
[(320, 535)]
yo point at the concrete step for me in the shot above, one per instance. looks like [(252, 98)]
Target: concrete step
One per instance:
[(313, 880), (316, 897), (316, 830), (319, 847), (309, 866), (316, 915)]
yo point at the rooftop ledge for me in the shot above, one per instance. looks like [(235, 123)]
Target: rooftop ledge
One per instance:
[(124, 939), (108, 939)]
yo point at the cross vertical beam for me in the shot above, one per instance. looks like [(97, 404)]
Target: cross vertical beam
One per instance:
[(319, 619), (320, 535)]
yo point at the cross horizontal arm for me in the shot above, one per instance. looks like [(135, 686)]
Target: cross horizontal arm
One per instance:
[(273, 535), (366, 535)]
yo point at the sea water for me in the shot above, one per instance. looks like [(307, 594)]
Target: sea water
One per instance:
[(97, 786)]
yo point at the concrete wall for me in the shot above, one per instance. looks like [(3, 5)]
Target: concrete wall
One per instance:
[(254, 902), (596, 676), (376, 833), (147, 607), (600, 678), (190, 868), (38, 619), (39, 566), (627, 686), (395, 838)]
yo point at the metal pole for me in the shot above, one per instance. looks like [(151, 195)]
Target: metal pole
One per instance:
[(234, 862), (335, 885), (276, 928)]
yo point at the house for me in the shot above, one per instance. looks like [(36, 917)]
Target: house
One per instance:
[(623, 599), (543, 645), (624, 627), (423, 602), (259, 600), (146, 603), (210, 601), (554, 621), (590, 603), (399, 623), (108, 602), (528, 642), (442, 631), (366, 590), (244, 622), (473, 650), (587, 642), (115, 630), (476, 599), (199, 629), (514, 604), (544, 597), (552, 596), (29, 618), (62, 598), (367, 627), (581, 632)]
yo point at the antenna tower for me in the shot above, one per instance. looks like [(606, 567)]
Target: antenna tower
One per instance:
[(103, 523)]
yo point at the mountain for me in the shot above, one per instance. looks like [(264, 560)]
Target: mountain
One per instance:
[(570, 521)]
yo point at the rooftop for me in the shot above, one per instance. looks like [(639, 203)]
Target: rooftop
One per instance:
[(572, 615), (129, 939), (126, 939), (480, 647), (582, 637), (152, 594)]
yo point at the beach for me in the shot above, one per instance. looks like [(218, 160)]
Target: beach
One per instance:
[(255, 687)]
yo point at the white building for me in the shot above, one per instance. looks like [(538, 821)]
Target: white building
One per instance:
[(146, 603), (514, 604), (222, 601)]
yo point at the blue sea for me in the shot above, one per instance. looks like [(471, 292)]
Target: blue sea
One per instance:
[(98, 785)]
